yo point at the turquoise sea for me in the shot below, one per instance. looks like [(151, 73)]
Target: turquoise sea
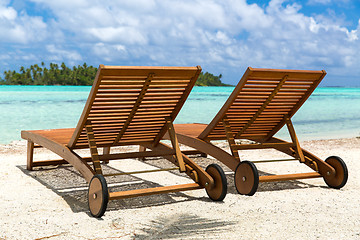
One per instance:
[(328, 113)]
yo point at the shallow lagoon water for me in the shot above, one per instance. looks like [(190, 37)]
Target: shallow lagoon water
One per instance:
[(328, 113)]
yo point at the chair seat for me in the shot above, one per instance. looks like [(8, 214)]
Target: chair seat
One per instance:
[(190, 129), (61, 136)]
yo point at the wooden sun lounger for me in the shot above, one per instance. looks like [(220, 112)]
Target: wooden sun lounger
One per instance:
[(260, 105), (128, 106)]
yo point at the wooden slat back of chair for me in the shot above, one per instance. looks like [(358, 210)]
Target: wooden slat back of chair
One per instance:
[(257, 107), (130, 105)]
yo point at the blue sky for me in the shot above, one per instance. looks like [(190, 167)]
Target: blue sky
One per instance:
[(221, 36)]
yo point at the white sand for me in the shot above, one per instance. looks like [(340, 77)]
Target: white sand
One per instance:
[(46, 204)]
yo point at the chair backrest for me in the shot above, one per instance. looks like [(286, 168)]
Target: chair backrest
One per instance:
[(259, 104), (130, 105)]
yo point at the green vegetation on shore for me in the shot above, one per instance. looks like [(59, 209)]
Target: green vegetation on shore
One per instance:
[(208, 79), (76, 76), (54, 75)]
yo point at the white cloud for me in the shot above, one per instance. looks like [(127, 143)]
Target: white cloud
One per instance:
[(58, 54), (214, 34), (110, 52), (66, 4), (126, 35), (353, 35), (19, 27), (7, 13)]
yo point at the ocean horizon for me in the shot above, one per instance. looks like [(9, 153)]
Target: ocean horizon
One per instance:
[(329, 113)]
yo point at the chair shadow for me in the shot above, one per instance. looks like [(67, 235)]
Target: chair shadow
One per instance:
[(263, 186), (182, 226), (66, 182), (271, 186)]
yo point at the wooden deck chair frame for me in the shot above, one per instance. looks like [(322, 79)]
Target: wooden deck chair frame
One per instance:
[(128, 106), (261, 104)]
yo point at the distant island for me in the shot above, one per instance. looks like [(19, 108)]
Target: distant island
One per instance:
[(81, 75)]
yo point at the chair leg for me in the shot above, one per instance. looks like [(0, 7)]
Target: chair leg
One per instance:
[(30, 155), (106, 151), (142, 149)]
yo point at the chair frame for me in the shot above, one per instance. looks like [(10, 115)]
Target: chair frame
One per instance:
[(90, 133), (333, 169)]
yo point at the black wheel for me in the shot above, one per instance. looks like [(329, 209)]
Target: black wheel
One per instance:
[(219, 190), (246, 178), (341, 173), (98, 196)]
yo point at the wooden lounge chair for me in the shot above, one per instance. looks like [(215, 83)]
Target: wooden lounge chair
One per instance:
[(128, 106), (260, 105)]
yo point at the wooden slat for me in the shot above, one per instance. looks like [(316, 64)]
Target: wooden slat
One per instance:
[(123, 104), (135, 78), (294, 75), (116, 156), (287, 177), (260, 146), (140, 81), (294, 139), (152, 191), (181, 86), (127, 91), (230, 138), (93, 148), (140, 172), (117, 99), (137, 82), (141, 108), (124, 95), (134, 87), (175, 145)]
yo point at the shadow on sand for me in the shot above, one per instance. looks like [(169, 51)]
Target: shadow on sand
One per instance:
[(183, 226), (66, 182)]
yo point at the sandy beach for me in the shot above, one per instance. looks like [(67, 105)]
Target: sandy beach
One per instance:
[(51, 203)]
